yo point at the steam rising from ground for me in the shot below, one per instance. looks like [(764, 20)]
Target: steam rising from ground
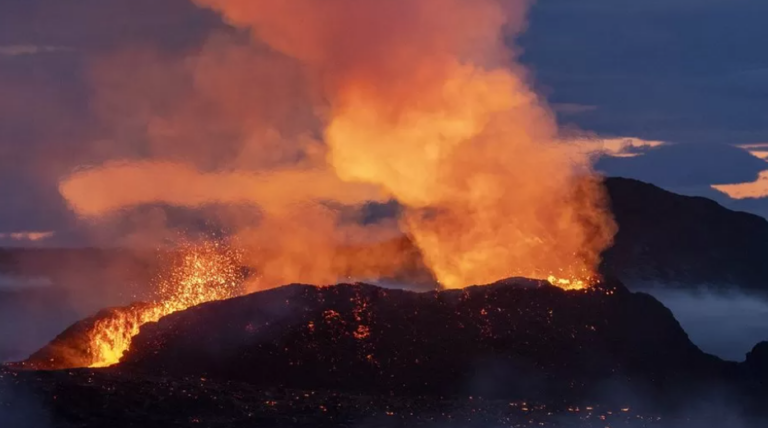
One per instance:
[(339, 103)]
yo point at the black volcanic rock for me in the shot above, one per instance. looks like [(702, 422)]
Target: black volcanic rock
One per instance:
[(108, 398), (511, 339), (689, 240)]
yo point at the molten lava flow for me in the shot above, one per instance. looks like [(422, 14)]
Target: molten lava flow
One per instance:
[(571, 284), (202, 273)]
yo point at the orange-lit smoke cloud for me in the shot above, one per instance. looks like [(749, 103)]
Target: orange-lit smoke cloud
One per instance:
[(417, 100), (27, 236), (753, 190), (93, 192)]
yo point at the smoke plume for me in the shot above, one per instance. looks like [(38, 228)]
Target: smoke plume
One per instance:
[(338, 103)]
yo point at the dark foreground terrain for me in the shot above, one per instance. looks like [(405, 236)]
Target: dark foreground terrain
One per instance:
[(109, 398), (360, 355)]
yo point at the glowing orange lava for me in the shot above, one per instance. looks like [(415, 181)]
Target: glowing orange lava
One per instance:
[(203, 273), (570, 284)]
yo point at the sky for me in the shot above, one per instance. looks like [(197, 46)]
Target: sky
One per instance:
[(691, 73)]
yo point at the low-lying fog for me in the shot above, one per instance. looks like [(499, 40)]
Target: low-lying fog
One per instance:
[(32, 312), (724, 324)]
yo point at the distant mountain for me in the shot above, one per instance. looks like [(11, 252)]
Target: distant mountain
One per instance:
[(663, 238), (670, 238)]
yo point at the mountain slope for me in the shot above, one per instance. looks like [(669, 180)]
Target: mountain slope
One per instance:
[(668, 237)]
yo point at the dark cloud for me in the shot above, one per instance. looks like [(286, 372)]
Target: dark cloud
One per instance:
[(692, 169), (43, 119), (47, 126), (44, 122), (679, 70), (686, 71), (104, 24), (687, 165)]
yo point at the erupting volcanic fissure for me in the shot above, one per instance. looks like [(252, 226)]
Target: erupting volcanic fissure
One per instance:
[(335, 104), (201, 273)]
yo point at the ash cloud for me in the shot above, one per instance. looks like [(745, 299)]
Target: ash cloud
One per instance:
[(322, 105)]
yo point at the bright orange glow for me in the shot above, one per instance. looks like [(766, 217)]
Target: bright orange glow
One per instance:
[(758, 150), (755, 189), (425, 103), (202, 274), (419, 101), (91, 192), (571, 284)]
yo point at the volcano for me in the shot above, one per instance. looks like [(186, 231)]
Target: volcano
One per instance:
[(662, 237), (515, 352), (517, 338)]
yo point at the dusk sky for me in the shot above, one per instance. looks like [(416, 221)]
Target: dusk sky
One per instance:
[(690, 73)]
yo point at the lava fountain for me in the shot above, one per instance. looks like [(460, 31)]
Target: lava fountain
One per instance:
[(196, 274), (202, 273)]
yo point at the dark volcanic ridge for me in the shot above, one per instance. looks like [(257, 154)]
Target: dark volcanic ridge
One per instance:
[(516, 339)]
